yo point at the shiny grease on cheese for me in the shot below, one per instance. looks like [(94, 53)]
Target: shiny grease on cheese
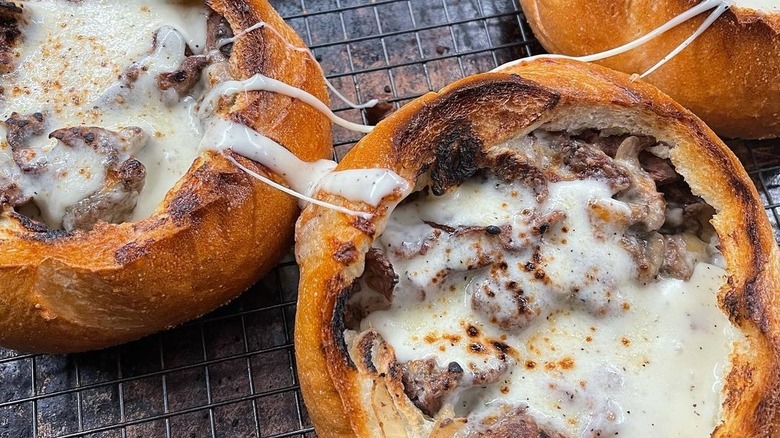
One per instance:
[(601, 354)]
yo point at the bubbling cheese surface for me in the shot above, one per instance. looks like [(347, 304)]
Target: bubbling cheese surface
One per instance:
[(71, 56), (606, 355)]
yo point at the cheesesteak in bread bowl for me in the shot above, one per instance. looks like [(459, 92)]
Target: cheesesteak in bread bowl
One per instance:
[(122, 213), (727, 75), (568, 254)]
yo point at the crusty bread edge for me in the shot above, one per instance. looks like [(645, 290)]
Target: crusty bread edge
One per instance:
[(215, 234), (336, 393), (727, 77)]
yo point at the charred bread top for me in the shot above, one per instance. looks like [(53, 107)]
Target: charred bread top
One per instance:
[(727, 76), (214, 233), (352, 377)]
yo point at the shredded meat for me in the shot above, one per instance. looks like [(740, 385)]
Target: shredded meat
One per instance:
[(11, 193), (660, 170), (647, 249), (426, 384), (113, 203), (217, 29), (646, 203), (10, 15), (185, 78), (676, 261), (588, 162), (20, 128), (379, 274), (512, 423), (124, 179)]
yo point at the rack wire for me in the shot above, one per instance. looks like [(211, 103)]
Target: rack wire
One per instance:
[(232, 372)]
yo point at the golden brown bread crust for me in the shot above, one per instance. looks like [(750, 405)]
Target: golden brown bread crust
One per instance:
[(215, 234), (727, 77), (352, 396)]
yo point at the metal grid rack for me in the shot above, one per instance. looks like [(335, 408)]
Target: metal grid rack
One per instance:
[(232, 373)]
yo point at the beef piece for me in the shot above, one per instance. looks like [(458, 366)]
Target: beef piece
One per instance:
[(660, 170), (647, 205), (379, 274), (677, 263), (20, 128), (679, 194), (647, 250), (11, 193), (113, 203), (116, 199), (513, 166), (185, 78), (512, 423), (105, 142), (426, 384), (10, 15), (217, 29), (588, 162)]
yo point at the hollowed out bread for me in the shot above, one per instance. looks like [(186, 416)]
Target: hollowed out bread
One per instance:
[(214, 235), (351, 381)]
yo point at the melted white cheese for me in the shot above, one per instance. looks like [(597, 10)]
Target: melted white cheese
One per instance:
[(70, 59), (758, 5), (614, 357), (361, 185)]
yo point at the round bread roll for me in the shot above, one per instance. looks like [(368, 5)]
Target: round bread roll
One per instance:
[(572, 254), (727, 76), (214, 233)]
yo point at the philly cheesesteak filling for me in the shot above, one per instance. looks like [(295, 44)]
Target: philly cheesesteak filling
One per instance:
[(98, 105), (551, 291)]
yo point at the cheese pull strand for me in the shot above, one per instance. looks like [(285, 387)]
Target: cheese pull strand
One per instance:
[(720, 6), (259, 82), (262, 24), (304, 178)]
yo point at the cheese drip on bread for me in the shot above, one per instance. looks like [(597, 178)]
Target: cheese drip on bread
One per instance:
[(112, 82)]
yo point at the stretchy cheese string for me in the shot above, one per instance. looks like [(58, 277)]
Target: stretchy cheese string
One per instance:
[(296, 194), (260, 82), (261, 24), (720, 7)]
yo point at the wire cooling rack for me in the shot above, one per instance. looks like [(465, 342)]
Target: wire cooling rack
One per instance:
[(232, 373)]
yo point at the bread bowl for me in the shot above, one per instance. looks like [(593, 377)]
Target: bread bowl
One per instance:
[(439, 317), (82, 275), (727, 76)]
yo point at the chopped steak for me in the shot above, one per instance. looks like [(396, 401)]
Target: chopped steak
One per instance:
[(10, 15), (380, 275), (104, 141), (113, 203), (677, 262), (11, 193), (217, 29), (20, 128), (660, 170), (512, 423), (185, 78), (588, 162), (426, 384), (647, 205), (647, 249)]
